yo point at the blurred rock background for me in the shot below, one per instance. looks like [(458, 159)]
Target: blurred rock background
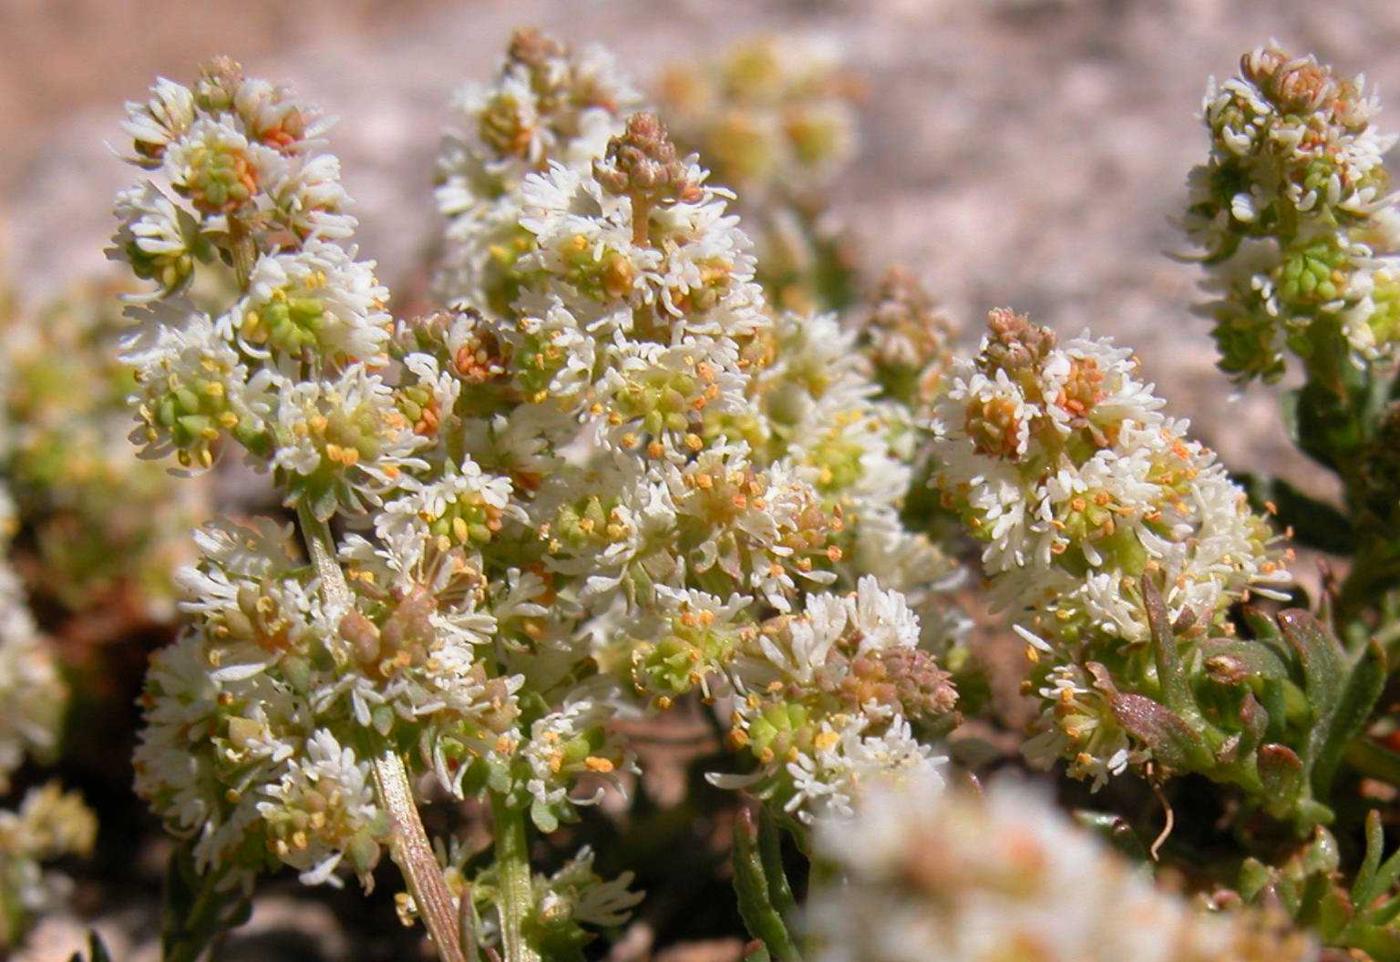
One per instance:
[(1020, 152)]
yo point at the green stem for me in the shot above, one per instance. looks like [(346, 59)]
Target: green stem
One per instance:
[(245, 252), (412, 851), (516, 888), (320, 545), (197, 911), (754, 889)]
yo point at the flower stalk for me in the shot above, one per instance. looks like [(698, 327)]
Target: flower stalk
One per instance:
[(516, 892), (411, 849)]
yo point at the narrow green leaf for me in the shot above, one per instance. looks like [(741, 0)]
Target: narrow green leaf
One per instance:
[(1348, 718), (1334, 912), (1361, 889), (755, 901), (97, 950), (1319, 654), (1176, 689), (1255, 876), (1173, 742), (770, 846), (1384, 878), (1281, 772)]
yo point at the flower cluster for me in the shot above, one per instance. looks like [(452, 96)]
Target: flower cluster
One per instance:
[(606, 478), (907, 338), (1294, 218), (774, 119), (48, 824), (694, 464), (835, 696), (548, 104), (626, 468), (258, 716), (107, 530), (773, 114), (954, 877), (32, 695), (1060, 461), (243, 194)]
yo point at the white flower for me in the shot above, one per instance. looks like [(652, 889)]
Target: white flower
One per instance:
[(153, 125), (317, 300), (193, 387), (323, 809), (829, 779), (343, 441)]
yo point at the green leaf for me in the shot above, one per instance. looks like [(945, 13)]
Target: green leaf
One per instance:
[(1319, 654), (1173, 742), (1281, 772), (1176, 688), (770, 846), (1115, 830), (1334, 912), (1362, 891), (1348, 718), (97, 950), (1255, 658), (1327, 422), (196, 908), (1255, 876)]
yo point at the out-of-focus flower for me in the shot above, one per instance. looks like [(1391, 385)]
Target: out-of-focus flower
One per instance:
[(918, 874), (48, 824), (774, 119), (106, 531)]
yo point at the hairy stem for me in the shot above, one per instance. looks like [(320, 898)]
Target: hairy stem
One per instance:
[(245, 252), (411, 849), (320, 545), (516, 891), (414, 855)]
